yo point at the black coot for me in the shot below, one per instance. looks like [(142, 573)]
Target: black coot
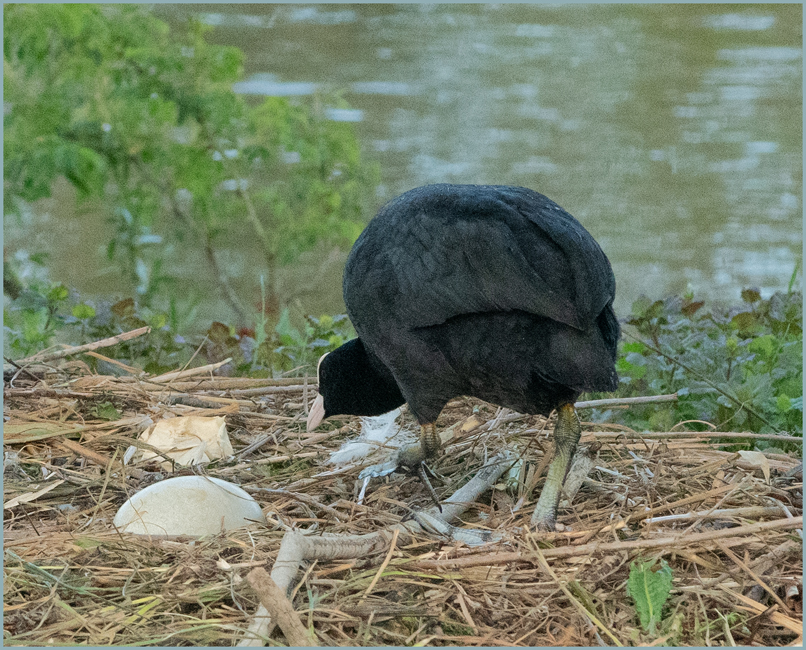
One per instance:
[(484, 290)]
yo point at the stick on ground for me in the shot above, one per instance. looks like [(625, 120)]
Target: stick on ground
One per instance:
[(280, 609)]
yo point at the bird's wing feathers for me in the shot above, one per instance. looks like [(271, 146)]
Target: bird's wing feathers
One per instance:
[(472, 267), (425, 264)]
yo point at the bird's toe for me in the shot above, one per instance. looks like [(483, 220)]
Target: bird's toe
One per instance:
[(544, 526)]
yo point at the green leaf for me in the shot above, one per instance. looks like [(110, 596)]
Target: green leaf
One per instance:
[(158, 321), (751, 295), (289, 335), (764, 346), (633, 346), (794, 277), (83, 311), (732, 345), (649, 585), (745, 321), (86, 542), (14, 434), (34, 326), (783, 403), (106, 411), (58, 293), (624, 367)]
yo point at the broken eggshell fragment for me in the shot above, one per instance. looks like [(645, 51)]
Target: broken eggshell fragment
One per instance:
[(189, 440)]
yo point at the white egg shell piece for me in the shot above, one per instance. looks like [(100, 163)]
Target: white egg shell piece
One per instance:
[(189, 440), (188, 505)]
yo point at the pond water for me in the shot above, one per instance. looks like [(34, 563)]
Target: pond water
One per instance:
[(672, 132)]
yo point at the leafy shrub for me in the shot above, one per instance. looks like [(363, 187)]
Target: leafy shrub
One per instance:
[(303, 347), (739, 368), (34, 320), (46, 313), (286, 350), (142, 116)]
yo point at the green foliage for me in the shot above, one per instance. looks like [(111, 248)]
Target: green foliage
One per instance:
[(649, 585), (296, 153), (318, 336), (144, 118), (738, 368), (32, 319), (287, 349), (44, 314), (83, 311), (162, 350), (106, 411)]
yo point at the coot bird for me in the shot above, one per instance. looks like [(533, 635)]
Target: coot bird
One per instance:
[(490, 291)]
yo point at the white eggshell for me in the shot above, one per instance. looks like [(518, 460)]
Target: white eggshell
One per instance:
[(188, 505)]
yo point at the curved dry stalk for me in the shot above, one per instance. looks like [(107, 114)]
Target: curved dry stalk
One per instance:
[(672, 435), (190, 372)]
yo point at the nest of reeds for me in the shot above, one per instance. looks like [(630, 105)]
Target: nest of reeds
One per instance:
[(727, 525)]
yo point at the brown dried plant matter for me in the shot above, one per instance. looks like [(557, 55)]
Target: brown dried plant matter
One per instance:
[(730, 536)]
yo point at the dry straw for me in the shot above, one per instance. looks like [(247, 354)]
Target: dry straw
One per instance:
[(401, 575)]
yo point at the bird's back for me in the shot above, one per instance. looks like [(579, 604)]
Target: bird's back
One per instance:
[(443, 270), (444, 250)]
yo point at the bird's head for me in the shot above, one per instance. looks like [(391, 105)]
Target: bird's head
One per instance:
[(351, 384)]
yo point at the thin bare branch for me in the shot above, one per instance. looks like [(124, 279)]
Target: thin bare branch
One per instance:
[(53, 355)]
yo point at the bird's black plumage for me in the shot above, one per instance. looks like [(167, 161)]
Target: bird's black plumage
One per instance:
[(490, 291)]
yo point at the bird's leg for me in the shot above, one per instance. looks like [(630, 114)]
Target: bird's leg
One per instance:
[(429, 447), (566, 436), (414, 457), (429, 440)]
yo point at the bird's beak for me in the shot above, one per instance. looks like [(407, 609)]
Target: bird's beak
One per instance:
[(317, 413)]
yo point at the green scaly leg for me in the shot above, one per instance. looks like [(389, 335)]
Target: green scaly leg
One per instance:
[(566, 436), (414, 457)]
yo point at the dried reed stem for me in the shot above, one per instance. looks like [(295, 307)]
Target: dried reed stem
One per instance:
[(191, 372), (625, 401), (53, 355), (750, 511), (695, 434), (670, 542)]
